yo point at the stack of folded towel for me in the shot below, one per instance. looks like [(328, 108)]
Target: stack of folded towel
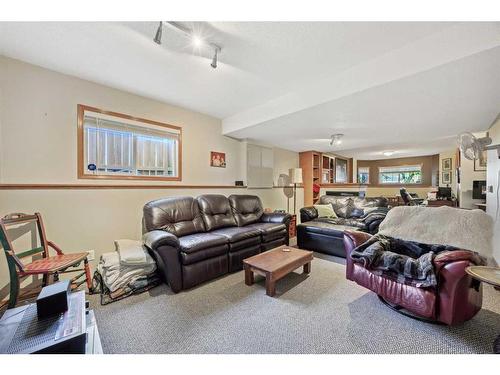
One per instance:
[(128, 263)]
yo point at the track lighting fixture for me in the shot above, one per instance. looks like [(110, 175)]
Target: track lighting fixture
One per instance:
[(196, 40), (214, 59), (157, 38), (336, 139)]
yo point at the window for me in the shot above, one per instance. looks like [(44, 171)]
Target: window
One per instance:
[(113, 145), (402, 175), (363, 175), (340, 170)]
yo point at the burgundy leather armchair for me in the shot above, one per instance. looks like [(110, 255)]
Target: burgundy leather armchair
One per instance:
[(456, 299)]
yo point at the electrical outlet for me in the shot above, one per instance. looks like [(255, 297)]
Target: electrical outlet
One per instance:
[(91, 255)]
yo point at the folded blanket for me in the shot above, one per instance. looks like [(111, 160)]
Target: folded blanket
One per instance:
[(406, 262), (116, 275), (132, 252)]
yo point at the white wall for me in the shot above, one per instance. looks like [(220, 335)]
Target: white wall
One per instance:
[(38, 146), (467, 176), (451, 154), (492, 198)]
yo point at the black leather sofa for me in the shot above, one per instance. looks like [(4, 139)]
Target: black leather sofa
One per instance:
[(194, 240), (327, 234)]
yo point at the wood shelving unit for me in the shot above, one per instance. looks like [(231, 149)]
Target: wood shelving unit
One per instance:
[(310, 162), (319, 169), (328, 169)]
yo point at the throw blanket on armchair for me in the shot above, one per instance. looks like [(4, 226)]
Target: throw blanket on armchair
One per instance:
[(403, 261), (464, 229), (405, 246)]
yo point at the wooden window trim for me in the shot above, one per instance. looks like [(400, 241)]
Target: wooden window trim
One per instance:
[(80, 147)]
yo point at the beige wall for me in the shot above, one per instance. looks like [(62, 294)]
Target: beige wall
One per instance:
[(38, 145), (428, 163), (492, 197), (451, 154), (467, 176)]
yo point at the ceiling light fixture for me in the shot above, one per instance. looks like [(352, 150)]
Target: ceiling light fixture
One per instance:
[(157, 38), (388, 153), (214, 59), (336, 139), (196, 39)]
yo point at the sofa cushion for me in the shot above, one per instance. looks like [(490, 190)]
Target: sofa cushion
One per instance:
[(247, 209), (352, 207), (270, 231), (325, 228), (355, 223), (268, 228), (177, 215), (215, 211), (203, 254), (235, 234), (200, 241)]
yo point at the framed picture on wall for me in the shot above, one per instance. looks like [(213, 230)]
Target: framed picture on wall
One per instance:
[(218, 159), (446, 177), (480, 164), (446, 164)]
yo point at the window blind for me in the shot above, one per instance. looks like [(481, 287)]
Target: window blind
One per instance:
[(128, 147)]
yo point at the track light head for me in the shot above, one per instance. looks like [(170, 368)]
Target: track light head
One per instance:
[(157, 38), (336, 139), (214, 59)]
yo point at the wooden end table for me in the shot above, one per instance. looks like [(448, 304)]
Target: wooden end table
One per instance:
[(275, 264), (489, 275)]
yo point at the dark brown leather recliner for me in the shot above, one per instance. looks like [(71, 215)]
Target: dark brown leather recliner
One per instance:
[(456, 299), (196, 240)]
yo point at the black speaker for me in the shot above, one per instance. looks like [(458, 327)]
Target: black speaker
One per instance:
[(53, 299)]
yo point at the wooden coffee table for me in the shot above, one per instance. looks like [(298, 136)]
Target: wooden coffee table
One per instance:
[(275, 264)]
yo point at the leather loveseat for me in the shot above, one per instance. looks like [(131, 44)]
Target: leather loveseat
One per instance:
[(194, 240), (327, 234)]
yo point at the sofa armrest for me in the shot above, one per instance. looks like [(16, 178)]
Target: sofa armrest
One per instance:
[(164, 248), (353, 239), (460, 296), (446, 257), (308, 214), (157, 238), (275, 217)]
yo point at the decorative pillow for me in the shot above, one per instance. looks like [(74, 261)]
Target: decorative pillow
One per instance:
[(357, 212), (344, 208), (325, 210)]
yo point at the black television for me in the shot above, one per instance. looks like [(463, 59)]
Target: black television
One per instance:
[(444, 193), (478, 189)]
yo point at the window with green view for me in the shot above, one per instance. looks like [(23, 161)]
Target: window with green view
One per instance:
[(402, 175)]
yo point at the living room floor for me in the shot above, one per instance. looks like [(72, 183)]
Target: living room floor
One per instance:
[(319, 313)]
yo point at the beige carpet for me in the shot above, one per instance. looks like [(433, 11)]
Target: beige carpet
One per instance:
[(319, 313)]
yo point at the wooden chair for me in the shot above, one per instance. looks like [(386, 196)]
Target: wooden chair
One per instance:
[(47, 266)]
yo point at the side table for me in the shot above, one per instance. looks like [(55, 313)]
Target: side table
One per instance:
[(489, 275), (292, 229)]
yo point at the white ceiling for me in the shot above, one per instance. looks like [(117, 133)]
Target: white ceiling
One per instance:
[(408, 87)]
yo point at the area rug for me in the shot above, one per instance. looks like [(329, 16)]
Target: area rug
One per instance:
[(317, 313)]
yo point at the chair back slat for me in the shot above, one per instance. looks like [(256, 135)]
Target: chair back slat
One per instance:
[(31, 252), (16, 219)]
